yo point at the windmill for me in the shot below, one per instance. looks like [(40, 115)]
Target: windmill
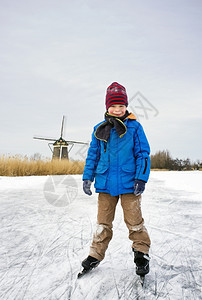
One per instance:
[(60, 146)]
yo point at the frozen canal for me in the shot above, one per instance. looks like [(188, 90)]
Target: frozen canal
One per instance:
[(46, 229)]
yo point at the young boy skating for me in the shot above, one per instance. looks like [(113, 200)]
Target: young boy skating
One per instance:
[(118, 159)]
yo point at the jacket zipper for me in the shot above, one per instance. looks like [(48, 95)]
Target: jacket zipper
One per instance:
[(145, 168)]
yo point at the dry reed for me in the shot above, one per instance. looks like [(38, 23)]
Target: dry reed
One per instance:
[(23, 166)]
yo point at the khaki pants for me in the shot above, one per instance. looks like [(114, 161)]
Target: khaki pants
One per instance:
[(131, 205)]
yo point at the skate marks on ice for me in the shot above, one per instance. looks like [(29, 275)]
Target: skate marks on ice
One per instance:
[(175, 231), (42, 247), (178, 272), (39, 246)]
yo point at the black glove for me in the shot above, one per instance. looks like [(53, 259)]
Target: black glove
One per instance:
[(139, 187), (86, 187)]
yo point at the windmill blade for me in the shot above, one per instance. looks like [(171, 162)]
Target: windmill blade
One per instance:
[(45, 139), (74, 142), (62, 128)]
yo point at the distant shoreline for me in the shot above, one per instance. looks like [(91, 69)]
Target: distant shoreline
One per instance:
[(22, 166)]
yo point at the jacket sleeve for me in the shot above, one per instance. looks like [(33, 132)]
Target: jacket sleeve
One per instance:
[(92, 158), (141, 152)]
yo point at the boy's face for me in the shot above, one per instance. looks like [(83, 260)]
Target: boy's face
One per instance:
[(117, 110)]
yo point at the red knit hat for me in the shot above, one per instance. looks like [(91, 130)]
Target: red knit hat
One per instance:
[(116, 94)]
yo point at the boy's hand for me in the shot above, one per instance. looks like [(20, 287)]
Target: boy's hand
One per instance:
[(86, 187), (139, 187)]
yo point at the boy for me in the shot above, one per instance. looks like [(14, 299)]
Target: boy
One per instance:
[(118, 159)]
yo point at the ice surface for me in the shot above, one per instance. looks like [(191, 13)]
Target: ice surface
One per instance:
[(43, 244)]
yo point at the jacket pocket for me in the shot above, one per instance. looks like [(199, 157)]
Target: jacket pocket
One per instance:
[(101, 174), (128, 175)]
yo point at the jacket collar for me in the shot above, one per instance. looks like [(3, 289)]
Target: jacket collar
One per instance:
[(131, 116)]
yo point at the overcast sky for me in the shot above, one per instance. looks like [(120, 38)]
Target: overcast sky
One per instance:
[(58, 57)]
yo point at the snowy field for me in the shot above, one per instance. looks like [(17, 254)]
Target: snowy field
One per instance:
[(46, 230)]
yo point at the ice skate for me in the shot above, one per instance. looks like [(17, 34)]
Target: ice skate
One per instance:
[(142, 263), (88, 264)]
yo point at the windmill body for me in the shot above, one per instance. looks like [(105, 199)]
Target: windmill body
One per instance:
[(60, 149), (60, 146)]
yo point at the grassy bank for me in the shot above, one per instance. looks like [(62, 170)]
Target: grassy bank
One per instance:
[(22, 166)]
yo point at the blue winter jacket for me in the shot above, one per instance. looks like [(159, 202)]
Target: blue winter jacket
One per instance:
[(117, 164)]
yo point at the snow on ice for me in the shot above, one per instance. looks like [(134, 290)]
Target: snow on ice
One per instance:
[(46, 228)]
